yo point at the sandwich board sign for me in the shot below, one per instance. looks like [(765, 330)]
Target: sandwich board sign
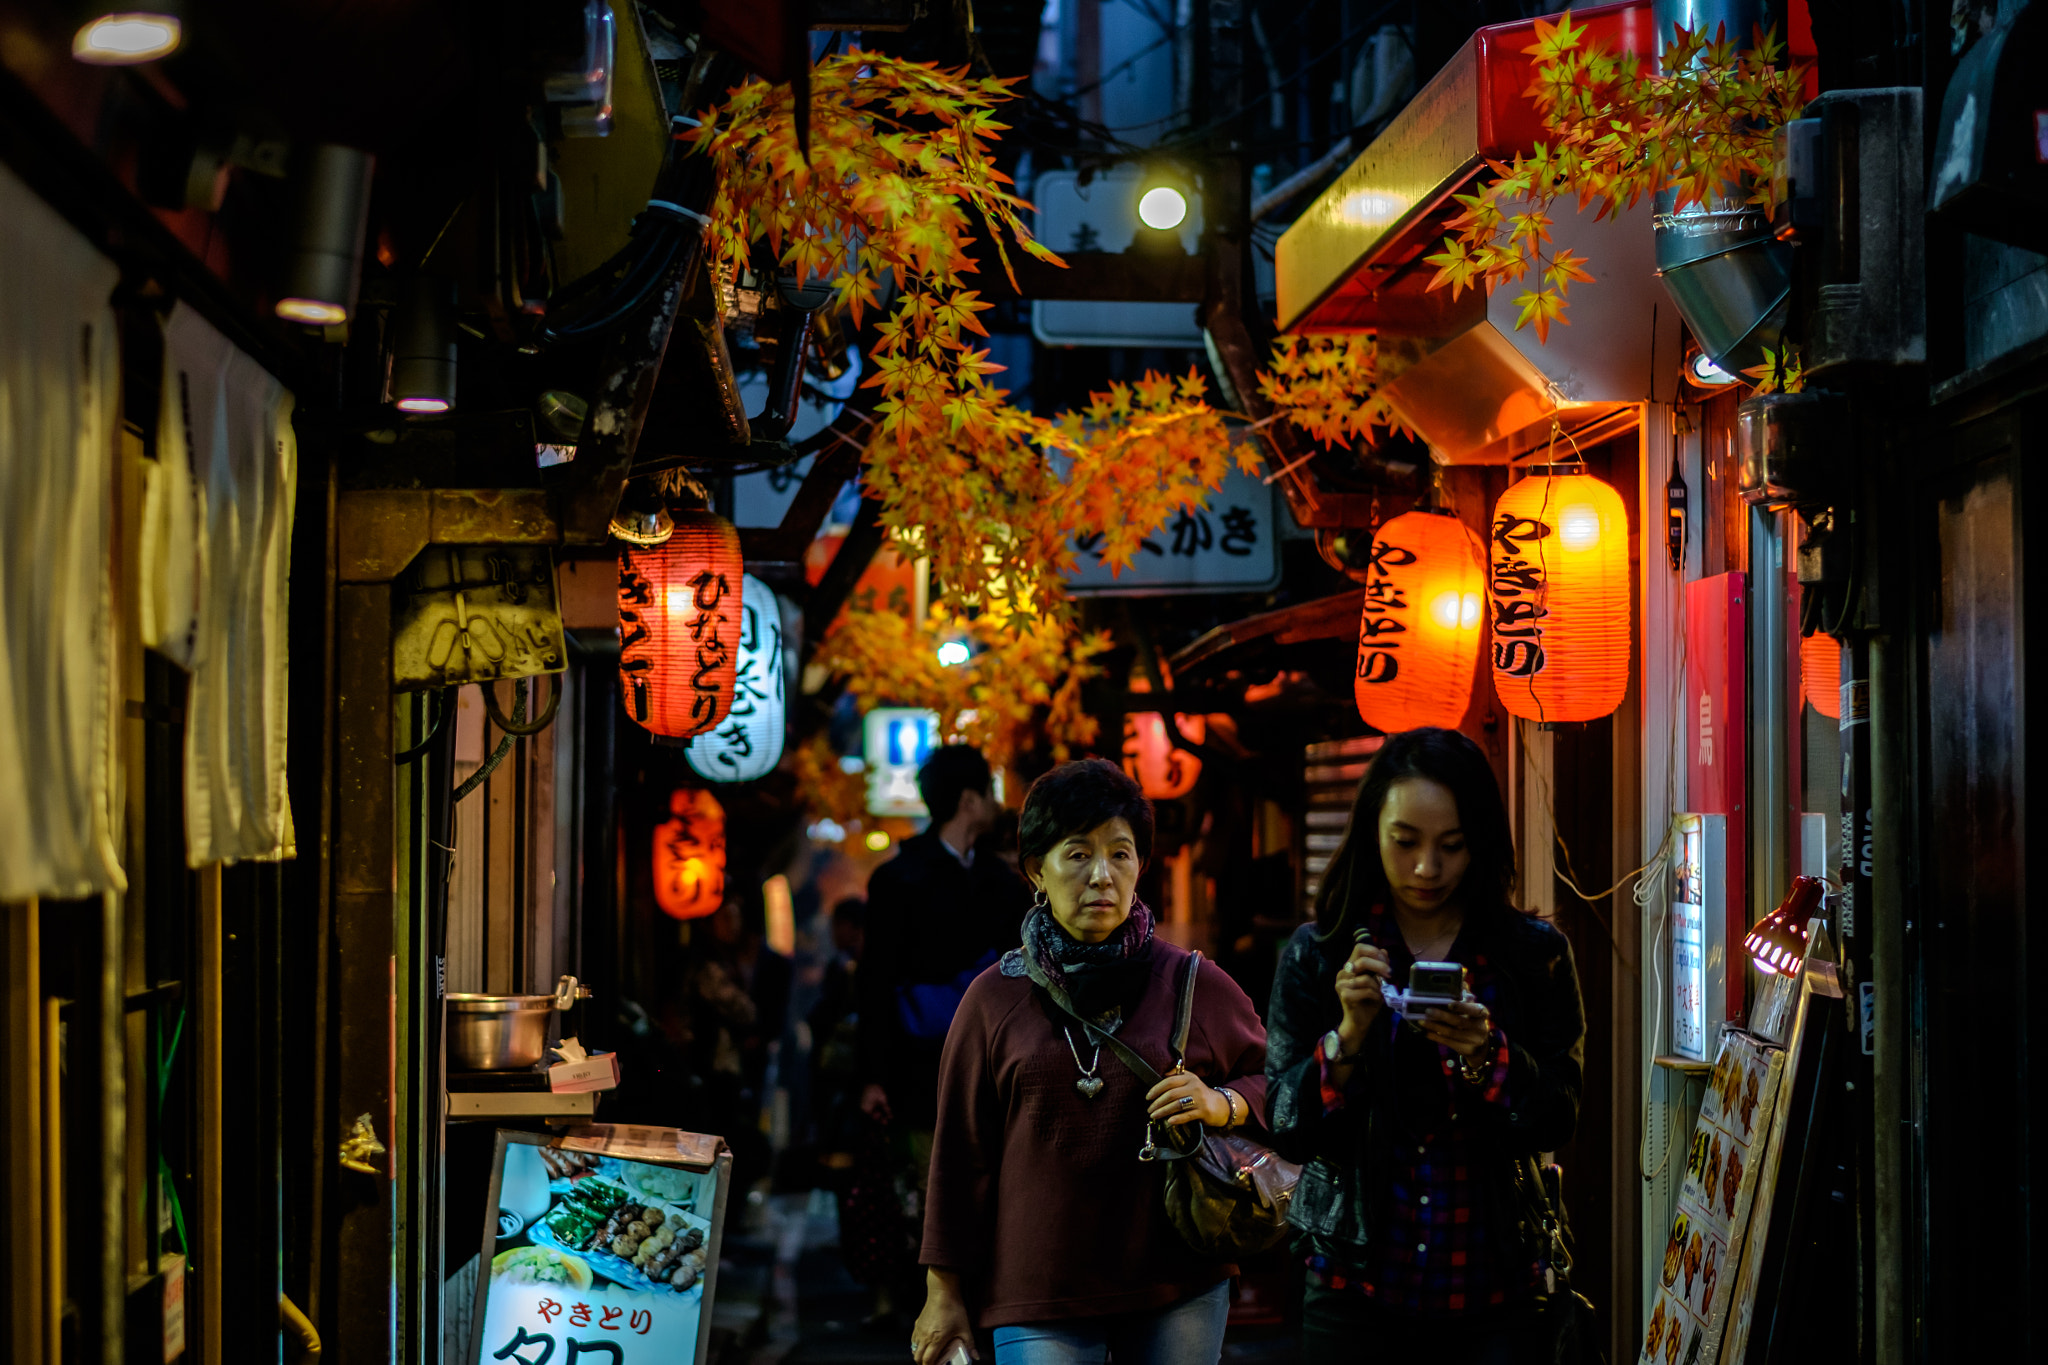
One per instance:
[(602, 1247)]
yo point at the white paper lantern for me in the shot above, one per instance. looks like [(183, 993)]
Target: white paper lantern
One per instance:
[(749, 742)]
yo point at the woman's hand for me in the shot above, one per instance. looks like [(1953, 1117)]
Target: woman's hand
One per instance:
[(1358, 994), (943, 1321), (1182, 1098), (1463, 1027)]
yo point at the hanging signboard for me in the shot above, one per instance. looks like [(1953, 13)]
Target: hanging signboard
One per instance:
[(1228, 544), (603, 1247), (749, 744), (1699, 934), (1696, 1277), (1102, 215), (1717, 751), (898, 741)]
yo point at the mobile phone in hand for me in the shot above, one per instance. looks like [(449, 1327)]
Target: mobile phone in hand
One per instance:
[(958, 1355)]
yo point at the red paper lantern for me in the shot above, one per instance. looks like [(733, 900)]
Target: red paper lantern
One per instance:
[(1559, 592), (1161, 770), (689, 856), (1418, 637), (679, 626), (1820, 674)]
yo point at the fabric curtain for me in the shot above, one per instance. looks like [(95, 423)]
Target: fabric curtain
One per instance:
[(217, 578), (59, 387)]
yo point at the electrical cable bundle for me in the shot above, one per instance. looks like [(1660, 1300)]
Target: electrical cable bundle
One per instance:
[(671, 225)]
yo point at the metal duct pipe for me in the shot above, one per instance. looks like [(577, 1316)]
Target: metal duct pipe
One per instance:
[(1729, 275)]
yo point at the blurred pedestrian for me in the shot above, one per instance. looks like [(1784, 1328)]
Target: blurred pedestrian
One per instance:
[(1422, 1210), (1046, 1226), (939, 913)]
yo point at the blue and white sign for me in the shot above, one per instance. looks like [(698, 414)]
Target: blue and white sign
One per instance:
[(898, 741), (749, 744), (1230, 543)]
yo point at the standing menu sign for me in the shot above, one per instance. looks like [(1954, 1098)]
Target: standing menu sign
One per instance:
[(1694, 1278), (602, 1246)]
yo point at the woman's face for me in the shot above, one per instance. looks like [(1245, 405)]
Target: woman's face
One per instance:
[(1422, 847), (1088, 879)]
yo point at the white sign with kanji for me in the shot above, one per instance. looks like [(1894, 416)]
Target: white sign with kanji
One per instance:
[(749, 744), (1229, 543)]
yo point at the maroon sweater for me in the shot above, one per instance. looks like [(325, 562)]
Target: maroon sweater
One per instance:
[(1037, 1195)]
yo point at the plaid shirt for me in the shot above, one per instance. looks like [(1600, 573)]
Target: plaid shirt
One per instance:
[(1431, 1255)]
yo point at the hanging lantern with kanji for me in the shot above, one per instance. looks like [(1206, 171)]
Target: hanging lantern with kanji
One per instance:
[(1820, 674), (748, 744), (1418, 636), (679, 626), (1162, 770), (689, 856), (1559, 594)]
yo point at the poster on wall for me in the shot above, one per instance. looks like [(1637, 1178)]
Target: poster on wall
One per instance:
[(1697, 1267), (602, 1247)]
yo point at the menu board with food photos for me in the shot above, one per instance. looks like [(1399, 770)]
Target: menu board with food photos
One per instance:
[(601, 1252), (1698, 1264)]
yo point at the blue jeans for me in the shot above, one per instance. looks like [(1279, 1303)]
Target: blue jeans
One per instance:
[(1186, 1333)]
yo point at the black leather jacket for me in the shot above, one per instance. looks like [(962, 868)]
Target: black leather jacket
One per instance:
[(1344, 1178)]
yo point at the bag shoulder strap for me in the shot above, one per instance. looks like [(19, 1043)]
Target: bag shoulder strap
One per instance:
[(1185, 1007), (1137, 1065)]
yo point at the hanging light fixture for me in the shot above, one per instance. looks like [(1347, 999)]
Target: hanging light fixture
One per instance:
[(749, 744), (1559, 597), (1418, 637), (111, 33), (1777, 943), (423, 348), (689, 856), (327, 243), (679, 626), (1820, 673)]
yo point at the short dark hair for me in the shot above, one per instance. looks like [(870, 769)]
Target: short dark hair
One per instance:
[(1077, 797), (951, 770), (1357, 880), (853, 910)]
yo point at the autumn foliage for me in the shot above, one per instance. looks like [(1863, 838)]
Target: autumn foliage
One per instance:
[(1699, 122), (899, 180)]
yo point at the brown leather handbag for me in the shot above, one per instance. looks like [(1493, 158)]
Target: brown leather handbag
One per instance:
[(1226, 1193)]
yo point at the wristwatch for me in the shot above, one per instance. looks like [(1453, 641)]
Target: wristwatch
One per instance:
[(1333, 1049)]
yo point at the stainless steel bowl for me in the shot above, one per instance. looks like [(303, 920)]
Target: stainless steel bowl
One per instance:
[(497, 1032)]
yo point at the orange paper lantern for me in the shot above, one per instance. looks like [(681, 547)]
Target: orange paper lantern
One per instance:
[(689, 856), (1162, 771), (1559, 591), (1418, 637), (679, 626), (1820, 674)]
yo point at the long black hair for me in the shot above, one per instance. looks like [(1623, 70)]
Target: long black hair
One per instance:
[(1356, 879)]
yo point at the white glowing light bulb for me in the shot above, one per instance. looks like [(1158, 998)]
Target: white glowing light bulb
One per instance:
[(126, 39), (1163, 207), (1579, 528), (953, 652)]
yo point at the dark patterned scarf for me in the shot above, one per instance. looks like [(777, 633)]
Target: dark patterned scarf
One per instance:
[(1088, 980)]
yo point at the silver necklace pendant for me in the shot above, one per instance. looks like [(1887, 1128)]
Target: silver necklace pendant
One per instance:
[(1090, 1084)]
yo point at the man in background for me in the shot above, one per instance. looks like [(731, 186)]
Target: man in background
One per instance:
[(939, 912)]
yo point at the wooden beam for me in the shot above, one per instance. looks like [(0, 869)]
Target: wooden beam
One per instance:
[(1326, 618)]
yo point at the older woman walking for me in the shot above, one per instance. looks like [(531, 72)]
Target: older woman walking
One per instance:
[(1043, 1224)]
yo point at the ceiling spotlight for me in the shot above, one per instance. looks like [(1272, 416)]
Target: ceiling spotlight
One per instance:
[(110, 35), (1162, 208), (423, 348), (1700, 369), (327, 236)]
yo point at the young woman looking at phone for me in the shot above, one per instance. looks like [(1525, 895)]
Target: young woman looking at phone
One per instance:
[(1417, 1205)]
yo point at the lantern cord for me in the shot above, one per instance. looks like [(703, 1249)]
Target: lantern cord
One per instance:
[(476, 779), (445, 696), (546, 719)]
